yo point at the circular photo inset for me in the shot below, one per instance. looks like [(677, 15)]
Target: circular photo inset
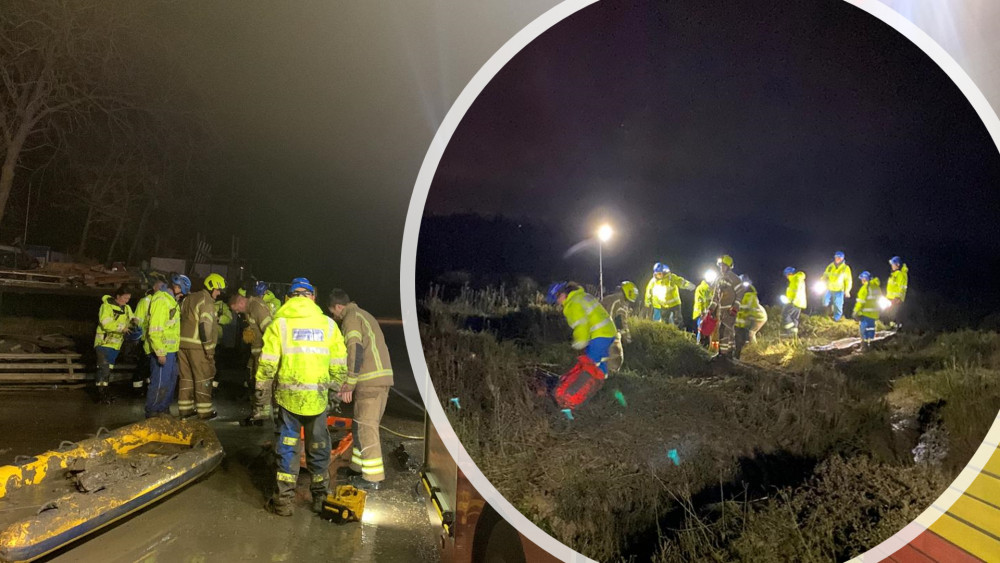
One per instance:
[(708, 282)]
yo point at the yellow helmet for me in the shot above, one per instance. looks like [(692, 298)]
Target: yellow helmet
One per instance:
[(726, 259), (215, 281), (630, 291)]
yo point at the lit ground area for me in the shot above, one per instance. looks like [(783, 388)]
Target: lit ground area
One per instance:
[(220, 518)]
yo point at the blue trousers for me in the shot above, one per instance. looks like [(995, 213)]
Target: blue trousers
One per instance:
[(867, 328), (835, 298), (598, 350), (697, 330), (287, 450), (105, 363), (162, 384), (671, 315)]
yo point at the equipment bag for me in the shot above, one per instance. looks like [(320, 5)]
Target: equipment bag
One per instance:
[(708, 324), (579, 384)]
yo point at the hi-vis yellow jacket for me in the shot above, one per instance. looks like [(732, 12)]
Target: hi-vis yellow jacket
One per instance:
[(587, 317), (796, 292), (899, 280), (113, 322), (702, 299), (750, 309), (867, 302), (272, 301), (663, 293), (142, 314), (838, 278), (164, 332), (368, 362), (304, 350)]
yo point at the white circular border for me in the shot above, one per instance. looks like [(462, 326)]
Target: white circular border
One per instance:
[(411, 233)]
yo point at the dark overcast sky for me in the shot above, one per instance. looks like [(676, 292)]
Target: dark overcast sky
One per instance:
[(732, 126), (325, 110)]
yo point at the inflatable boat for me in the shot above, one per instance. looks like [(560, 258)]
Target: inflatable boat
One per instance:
[(55, 498)]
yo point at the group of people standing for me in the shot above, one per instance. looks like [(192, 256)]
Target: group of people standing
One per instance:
[(301, 361), (727, 313)]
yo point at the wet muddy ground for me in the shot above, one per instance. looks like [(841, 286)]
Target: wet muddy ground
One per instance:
[(221, 517)]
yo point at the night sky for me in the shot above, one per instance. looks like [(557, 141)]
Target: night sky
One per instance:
[(322, 112), (778, 132)]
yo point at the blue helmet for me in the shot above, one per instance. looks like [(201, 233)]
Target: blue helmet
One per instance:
[(865, 275), (301, 285), (183, 282), (896, 260), (134, 334), (660, 268), (260, 288), (839, 254), (789, 271), (554, 291)]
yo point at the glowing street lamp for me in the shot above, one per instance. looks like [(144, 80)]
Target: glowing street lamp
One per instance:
[(604, 233)]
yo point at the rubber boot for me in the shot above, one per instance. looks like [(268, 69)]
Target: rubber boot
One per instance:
[(317, 503), (278, 507)]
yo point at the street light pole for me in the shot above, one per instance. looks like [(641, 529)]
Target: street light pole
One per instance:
[(600, 262), (603, 235)]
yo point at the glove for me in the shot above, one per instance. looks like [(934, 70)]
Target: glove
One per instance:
[(248, 336)]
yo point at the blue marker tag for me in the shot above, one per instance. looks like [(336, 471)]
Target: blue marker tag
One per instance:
[(307, 334), (568, 413), (454, 401), (672, 454)]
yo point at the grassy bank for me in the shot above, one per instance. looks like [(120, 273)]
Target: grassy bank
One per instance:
[(784, 453)]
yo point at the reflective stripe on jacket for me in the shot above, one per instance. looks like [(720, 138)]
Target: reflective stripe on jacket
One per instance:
[(899, 280), (702, 299), (838, 278), (112, 323), (368, 362), (198, 309), (164, 332), (750, 309), (587, 318), (728, 290), (304, 350), (796, 292), (867, 302)]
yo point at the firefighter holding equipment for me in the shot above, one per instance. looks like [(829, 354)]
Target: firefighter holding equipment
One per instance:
[(727, 294), (369, 378), (304, 351)]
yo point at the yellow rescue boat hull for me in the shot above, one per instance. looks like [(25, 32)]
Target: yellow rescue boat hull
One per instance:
[(121, 471)]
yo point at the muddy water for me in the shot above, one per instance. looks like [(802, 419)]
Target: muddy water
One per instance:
[(221, 518)]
